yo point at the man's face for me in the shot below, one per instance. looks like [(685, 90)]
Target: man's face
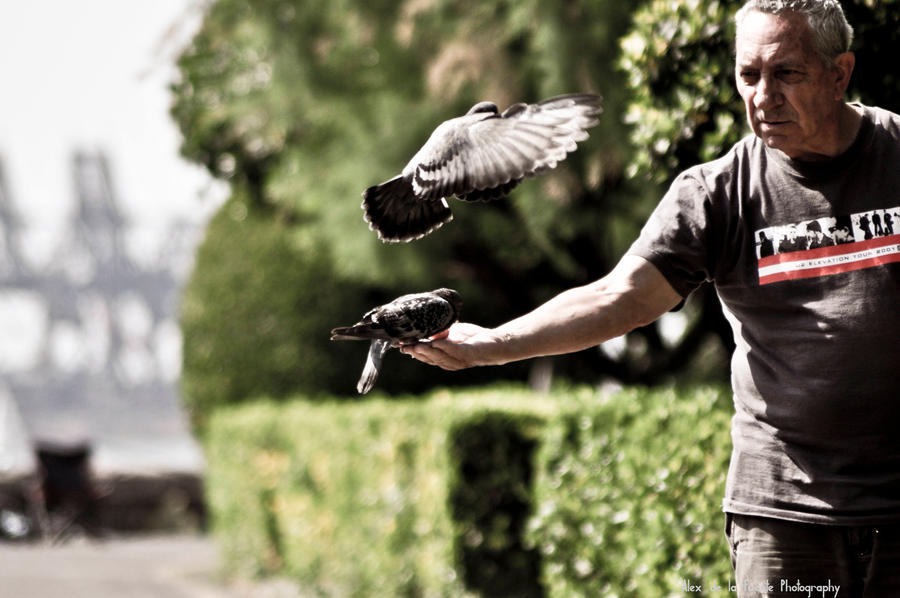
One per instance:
[(791, 98)]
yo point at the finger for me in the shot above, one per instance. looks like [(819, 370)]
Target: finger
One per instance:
[(424, 352), (434, 355)]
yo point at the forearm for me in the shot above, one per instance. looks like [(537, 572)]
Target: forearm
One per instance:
[(576, 319), (633, 294)]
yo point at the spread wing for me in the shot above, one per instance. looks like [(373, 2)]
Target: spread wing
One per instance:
[(480, 155)]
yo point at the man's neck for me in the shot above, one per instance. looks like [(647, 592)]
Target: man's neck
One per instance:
[(850, 122)]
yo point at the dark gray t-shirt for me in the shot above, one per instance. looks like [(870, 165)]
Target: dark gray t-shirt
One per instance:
[(806, 261)]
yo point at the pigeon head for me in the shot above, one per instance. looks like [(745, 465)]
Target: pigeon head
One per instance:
[(450, 296), (489, 107)]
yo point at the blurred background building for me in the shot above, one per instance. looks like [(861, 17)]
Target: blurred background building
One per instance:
[(90, 354), (99, 218)]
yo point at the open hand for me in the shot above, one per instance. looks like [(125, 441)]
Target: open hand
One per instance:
[(462, 346)]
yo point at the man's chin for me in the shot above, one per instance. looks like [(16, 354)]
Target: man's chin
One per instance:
[(774, 129), (773, 141), (777, 141)]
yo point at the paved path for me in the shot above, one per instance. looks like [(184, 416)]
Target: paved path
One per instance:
[(143, 567)]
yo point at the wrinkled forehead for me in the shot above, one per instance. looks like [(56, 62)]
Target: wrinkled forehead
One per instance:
[(764, 37)]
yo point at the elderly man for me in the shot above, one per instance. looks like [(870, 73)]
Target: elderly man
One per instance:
[(813, 490)]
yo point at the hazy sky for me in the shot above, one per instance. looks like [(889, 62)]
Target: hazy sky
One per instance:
[(93, 74)]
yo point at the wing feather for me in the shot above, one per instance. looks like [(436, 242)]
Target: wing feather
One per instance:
[(482, 151), (481, 155)]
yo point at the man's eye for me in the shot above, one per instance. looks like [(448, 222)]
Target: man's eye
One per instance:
[(749, 76), (790, 74)]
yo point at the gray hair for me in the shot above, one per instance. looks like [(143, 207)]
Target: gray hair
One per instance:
[(832, 34)]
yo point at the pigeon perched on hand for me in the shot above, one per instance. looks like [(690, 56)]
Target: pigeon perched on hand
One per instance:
[(479, 156), (405, 320)]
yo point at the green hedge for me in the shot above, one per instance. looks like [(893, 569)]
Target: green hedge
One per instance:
[(628, 495), (492, 493), (492, 472)]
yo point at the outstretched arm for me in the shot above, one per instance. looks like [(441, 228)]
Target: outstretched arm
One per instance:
[(634, 294)]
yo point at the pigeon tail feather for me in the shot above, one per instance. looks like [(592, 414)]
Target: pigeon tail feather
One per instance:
[(374, 359), (355, 333), (393, 210)]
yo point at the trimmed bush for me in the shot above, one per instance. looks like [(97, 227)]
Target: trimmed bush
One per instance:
[(324, 494), (492, 460), (352, 500), (628, 495), (494, 493)]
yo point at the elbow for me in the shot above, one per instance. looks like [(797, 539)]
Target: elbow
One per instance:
[(629, 310), (643, 315), (631, 320)]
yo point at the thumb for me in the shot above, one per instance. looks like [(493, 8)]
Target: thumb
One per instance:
[(441, 335)]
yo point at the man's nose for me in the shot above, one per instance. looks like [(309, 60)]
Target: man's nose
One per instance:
[(766, 94)]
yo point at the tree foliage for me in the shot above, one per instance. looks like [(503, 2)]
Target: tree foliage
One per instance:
[(679, 59), (308, 103), (250, 321), (302, 104), (256, 315)]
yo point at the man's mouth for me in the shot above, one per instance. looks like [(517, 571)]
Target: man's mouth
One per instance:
[(771, 127), (771, 122)]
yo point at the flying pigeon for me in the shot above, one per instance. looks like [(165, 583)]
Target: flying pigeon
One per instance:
[(405, 320), (477, 157)]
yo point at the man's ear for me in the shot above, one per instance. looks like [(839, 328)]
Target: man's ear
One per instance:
[(843, 68)]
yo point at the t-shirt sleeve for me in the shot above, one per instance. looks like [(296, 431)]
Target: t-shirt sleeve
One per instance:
[(675, 238)]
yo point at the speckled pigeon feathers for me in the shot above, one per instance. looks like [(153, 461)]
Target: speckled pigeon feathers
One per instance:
[(404, 320), (480, 156)]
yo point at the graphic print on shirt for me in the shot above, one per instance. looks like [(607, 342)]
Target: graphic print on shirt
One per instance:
[(828, 246)]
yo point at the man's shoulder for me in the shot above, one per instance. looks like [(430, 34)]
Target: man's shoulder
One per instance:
[(882, 113), (742, 155), (886, 122)]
